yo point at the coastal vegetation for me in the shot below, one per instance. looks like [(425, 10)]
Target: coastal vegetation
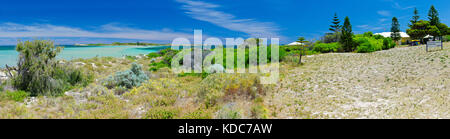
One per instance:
[(343, 75)]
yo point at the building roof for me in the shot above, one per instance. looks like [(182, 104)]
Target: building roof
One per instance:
[(295, 43), (388, 34)]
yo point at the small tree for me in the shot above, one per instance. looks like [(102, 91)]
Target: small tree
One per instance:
[(302, 42), (347, 36), (36, 67), (395, 30), (39, 73)]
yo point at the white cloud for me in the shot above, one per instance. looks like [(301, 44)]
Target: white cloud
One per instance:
[(13, 30), (366, 28), (208, 12), (384, 13)]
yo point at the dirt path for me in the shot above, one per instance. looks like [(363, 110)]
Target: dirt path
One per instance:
[(398, 83)]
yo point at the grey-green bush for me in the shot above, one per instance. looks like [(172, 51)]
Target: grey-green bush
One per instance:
[(128, 78)]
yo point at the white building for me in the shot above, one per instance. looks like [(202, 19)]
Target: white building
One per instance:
[(388, 34), (295, 44)]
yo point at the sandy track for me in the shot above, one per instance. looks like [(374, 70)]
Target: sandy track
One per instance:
[(398, 83)]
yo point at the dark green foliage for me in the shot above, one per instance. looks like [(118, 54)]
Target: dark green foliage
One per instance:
[(72, 76), (40, 74), (443, 29), (347, 36), (331, 37), (418, 30), (415, 18), (128, 78), (395, 30), (335, 27), (378, 37), (388, 43), (167, 55), (433, 16), (368, 34)]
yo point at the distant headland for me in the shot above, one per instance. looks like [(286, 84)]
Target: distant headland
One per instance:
[(122, 44)]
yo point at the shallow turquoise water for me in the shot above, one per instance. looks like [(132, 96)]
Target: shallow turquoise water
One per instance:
[(8, 54)]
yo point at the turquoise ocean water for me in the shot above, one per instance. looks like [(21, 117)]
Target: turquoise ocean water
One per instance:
[(8, 54)]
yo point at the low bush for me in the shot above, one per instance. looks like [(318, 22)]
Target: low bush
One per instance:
[(167, 56), (258, 111), (229, 111), (154, 55), (447, 38), (161, 113), (388, 43), (368, 44), (128, 78), (16, 95), (327, 47), (218, 88), (198, 114)]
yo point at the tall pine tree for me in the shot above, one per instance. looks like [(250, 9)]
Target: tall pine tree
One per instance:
[(335, 27), (395, 30), (433, 16), (347, 36), (415, 18)]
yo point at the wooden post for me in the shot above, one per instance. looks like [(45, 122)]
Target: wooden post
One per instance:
[(426, 47)]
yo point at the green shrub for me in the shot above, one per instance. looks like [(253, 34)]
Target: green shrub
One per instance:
[(388, 43), (72, 76), (378, 37), (16, 95), (327, 47), (167, 56), (128, 78), (447, 38), (157, 66), (258, 111), (198, 114), (368, 34), (368, 44), (154, 55), (229, 111), (40, 74), (161, 113)]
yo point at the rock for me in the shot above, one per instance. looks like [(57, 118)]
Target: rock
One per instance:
[(153, 60), (216, 68), (93, 65), (80, 63), (3, 76)]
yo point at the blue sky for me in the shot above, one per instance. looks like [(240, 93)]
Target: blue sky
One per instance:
[(160, 21)]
